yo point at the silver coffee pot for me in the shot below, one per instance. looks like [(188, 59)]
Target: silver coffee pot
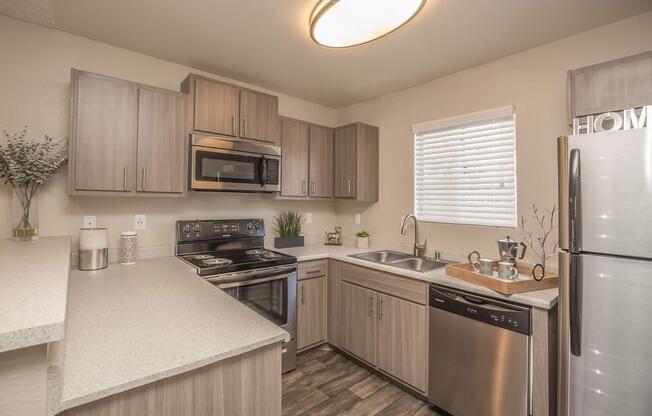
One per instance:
[(508, 250)]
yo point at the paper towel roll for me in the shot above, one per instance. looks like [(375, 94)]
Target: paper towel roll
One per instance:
[(93, 238)]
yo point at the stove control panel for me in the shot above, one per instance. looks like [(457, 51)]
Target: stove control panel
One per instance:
[(219, 229)]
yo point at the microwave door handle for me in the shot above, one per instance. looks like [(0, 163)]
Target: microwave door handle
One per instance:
[(263, 171)]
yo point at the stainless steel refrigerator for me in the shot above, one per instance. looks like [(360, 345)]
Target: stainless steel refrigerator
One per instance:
[(605, 303)]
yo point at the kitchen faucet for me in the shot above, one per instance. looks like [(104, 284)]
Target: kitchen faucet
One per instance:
[(419, 249)]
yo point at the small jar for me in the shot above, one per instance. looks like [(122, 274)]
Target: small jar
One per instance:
[(128, 247)]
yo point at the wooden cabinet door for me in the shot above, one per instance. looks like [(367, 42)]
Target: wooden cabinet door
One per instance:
[(345, 157), (321, 162), (258, 116), (335, 307), (216, 107), (161, 141), (104, 133), (311, 312), (360, 321), (402, 340), (294, 166)]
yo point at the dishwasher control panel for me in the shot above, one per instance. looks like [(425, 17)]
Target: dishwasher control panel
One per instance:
[(480, 308)]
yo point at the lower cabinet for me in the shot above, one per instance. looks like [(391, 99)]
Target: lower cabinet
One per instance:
[(360, 321), (388, 332), (402, 340), (311, 311)]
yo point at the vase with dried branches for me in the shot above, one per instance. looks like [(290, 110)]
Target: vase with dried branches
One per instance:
[(542, 239), (25, 165)]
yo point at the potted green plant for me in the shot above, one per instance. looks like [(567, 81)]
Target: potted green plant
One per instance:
[(26, 165), (287, 225), (362, 240)]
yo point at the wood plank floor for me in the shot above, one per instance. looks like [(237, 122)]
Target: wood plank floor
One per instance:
[(327, 383)]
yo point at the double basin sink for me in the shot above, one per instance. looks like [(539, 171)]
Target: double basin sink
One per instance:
[(402, 260)]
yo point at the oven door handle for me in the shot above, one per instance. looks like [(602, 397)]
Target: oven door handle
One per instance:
[(253, 275), (230, 285)]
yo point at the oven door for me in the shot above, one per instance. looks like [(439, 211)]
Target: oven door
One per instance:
[(270, 292), (214, 169)]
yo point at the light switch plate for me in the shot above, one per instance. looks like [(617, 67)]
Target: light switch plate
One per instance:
[(308, 217), (90, 221), (357, 219), (139, 221)]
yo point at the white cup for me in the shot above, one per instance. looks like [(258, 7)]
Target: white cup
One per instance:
[(507, 270)]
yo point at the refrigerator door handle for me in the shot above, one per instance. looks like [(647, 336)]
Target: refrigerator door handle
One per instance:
[(562, 177), (575, 305), (575, 202)]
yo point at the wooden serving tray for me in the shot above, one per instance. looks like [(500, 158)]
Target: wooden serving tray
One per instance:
[(523, 283)]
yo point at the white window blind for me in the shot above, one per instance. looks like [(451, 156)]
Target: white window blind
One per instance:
[(465, 169)]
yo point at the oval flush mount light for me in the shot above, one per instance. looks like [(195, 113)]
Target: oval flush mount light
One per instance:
[(344, 23)]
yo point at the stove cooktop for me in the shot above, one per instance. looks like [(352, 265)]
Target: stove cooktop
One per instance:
[(212, 263)]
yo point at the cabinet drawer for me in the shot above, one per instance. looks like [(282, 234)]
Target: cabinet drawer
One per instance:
[(385, 283), (310, 269)]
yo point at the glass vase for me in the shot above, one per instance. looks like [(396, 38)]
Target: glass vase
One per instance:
[(24, 214)]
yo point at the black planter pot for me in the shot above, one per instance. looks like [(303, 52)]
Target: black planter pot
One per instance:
[(287, 242)]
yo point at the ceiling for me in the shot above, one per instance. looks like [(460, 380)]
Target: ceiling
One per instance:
[(267, 42)]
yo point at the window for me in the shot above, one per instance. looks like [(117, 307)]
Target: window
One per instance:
[(465, 169)]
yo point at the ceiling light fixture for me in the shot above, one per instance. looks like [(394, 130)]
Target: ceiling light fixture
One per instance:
[(344, 23)]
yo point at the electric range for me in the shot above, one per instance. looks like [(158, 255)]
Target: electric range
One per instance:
[(231, 255)]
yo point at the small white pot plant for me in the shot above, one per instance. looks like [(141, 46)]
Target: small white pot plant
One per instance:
[(362, 239), (25, 165)]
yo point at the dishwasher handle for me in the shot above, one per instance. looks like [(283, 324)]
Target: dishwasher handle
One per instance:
[(491, 311)]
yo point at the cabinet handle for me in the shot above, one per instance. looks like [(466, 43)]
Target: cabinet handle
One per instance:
[(142, 182), (380, 310), (313, 271), (245, 127), (371, 306), (233, 124), (312, 185), (124, 178), (302, 298), (349, 187), (303, 187)]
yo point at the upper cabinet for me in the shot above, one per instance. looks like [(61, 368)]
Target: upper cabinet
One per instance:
[(126, 138), (611, 86), (228, 110), (356, 162), (307, 168), (217, 107)]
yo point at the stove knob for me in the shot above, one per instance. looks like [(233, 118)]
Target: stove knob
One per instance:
[(249, 226), (186, 228), (196, 228), (257, 226)]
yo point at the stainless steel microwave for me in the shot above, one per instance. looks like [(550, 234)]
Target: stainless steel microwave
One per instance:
[(221, 164)]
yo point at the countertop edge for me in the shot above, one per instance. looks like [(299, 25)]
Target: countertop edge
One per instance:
[(517, 298), (63, 405), (29, 337)]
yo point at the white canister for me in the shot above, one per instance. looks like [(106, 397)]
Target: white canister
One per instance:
[(128, 247), (93, 248)]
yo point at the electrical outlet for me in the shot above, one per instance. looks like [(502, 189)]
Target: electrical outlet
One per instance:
[(357, 219), (90, 221), (308, 217), (139, 221)]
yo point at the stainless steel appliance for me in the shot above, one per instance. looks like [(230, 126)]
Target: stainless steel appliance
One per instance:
[(479, 355), (221, 164), (508, 250), (605, 198), (231, 255)]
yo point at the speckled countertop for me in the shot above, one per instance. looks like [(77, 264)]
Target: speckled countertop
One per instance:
[(33, 286), (544, 299), (129, 325)]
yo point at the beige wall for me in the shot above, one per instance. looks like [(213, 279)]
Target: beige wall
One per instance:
[(34, 91), (34, 82), (534, 81)]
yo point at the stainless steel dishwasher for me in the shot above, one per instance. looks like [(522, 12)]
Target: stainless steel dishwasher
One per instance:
[(479, 355)]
